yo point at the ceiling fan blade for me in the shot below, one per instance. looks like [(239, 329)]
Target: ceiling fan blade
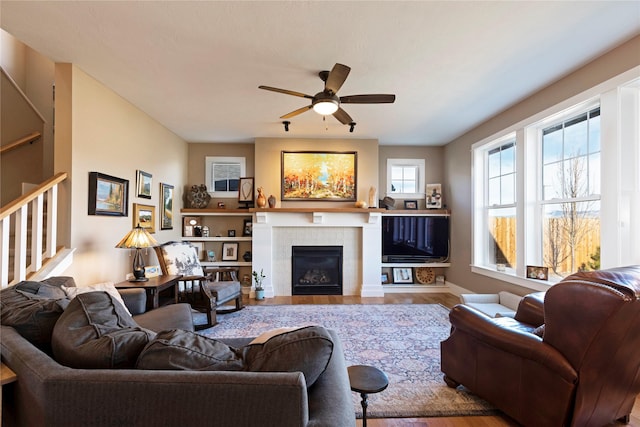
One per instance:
[(342, 116), (296, 112), (285, 91), (368, 99), (336, 78)]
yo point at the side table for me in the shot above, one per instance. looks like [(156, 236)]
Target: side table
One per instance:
[(7, 376), (153, 287), (366, 380)]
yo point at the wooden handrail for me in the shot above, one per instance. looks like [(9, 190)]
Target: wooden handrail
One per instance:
[(22, 141), (33, 194)]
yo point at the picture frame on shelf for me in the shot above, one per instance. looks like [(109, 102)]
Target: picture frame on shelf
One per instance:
[(339, 168), (108, 195), (245, 190), (434, 196), (143, 184), (411, 204), (247, 227), (402, 275), (230, 251), (231, 233), (199, 247), (145, 216), (166, 206), (188, 225)]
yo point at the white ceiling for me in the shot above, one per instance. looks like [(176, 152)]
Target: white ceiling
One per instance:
[(196, 66)]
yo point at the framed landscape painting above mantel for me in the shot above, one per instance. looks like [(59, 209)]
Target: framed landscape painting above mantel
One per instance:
[(319, 176)]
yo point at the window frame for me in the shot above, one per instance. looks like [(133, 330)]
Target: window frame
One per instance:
[(619, 101), (419, 164), (210, 161)]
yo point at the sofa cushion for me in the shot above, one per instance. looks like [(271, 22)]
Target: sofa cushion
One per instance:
[(33, 308), (95, 331), (186, 350), (307, 350), (108, 287)]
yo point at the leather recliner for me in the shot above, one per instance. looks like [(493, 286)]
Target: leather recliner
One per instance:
[(570, 359)]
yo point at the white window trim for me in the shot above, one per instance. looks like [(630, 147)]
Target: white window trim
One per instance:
[(620, 235), (420, 164), (210, 161)]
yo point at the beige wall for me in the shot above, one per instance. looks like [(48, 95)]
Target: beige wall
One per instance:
[(102, 132), (196, 165), (458, 156), (268, 169), (433, 165)]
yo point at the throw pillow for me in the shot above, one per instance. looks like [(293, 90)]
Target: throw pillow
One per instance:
[(307, 350), (185, 350), (95, 331), (107, 287), (33, 308)]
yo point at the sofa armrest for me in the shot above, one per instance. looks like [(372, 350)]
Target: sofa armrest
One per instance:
[(134, 299), (511, 336), (531, 309)]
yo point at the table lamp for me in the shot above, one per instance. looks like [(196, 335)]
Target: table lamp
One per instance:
[(137, 238)]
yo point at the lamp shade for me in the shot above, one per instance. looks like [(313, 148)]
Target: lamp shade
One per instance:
[(137, 238)]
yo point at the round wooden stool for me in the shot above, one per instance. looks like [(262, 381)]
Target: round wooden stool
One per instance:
[(366, 380)]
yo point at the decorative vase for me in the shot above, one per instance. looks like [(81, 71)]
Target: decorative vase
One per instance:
[(199, 197), (272, 201), (259, 294), (261, 201), (247, 256)]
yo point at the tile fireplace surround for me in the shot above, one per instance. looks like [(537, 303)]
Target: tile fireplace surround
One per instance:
[(358, 231)]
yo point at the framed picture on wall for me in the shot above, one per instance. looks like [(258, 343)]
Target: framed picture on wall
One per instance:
[(319, 175), (145, 216), (166, 206), (143, 180), (108, 195)]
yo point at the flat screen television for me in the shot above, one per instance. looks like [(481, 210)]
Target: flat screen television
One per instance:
[(415, 238)]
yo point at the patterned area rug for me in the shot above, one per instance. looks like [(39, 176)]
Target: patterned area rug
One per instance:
[(403, 340)]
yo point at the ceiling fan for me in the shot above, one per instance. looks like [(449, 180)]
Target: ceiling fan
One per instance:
[(328, 102)]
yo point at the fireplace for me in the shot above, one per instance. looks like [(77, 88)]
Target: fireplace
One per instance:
[(316, 270)]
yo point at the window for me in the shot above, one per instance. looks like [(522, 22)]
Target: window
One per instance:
[(405, 178), (223, 175), (539, 188), (501, 199), (571, 194)]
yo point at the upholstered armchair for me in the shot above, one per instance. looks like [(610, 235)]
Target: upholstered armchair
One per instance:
[(206, 290), (568, 360)]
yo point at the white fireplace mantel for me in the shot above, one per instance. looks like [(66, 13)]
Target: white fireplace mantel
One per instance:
[(365, 254)]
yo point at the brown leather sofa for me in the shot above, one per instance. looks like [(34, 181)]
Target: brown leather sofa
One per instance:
[(570, 357)]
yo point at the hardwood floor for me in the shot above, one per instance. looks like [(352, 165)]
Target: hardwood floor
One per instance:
[(448, 300)]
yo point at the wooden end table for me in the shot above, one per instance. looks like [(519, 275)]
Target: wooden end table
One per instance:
[(153, 287)]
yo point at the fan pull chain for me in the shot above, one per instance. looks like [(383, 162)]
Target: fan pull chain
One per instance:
[(326, 126)]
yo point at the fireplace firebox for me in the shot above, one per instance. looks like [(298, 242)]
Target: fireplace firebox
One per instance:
[(316, 270)]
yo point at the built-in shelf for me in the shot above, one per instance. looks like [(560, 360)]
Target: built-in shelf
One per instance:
[(225, 264), (218, 239)]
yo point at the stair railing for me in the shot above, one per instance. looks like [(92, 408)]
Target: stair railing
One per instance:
[(16, 214)]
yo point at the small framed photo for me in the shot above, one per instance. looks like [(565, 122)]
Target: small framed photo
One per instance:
[(411, 204), (537, 272), (231, 233), (143, 180), (199, 247), (247, 228), (384, 278), (229, 251), (402, 275), (434, 196), (189, 224), (245, 190), (145, 216)]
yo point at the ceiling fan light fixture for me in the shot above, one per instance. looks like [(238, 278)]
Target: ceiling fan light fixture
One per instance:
[(325, 107)]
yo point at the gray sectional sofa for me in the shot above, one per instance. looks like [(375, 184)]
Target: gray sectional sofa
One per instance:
[(50, 394)]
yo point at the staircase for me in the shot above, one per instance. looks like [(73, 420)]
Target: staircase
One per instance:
[(28, 234)]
